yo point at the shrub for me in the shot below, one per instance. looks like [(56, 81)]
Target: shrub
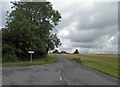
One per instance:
[(9, 58), (78, 60), (73, 58), (7, 49)]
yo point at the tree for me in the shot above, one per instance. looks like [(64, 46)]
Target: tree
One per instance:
[(64, 52), (76, 51), (29, 27), (55, 51)]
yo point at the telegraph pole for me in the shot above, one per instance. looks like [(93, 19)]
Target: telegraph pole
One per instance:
[(101, 49)]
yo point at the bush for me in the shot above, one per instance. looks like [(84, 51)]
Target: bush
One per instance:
[(9, 58), (7, 49), (73, 58), (78, 60)]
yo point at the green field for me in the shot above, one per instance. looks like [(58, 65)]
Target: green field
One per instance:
[(107, 63), (50, 58)]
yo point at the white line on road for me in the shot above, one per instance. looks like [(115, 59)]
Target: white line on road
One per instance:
[(60, 75), (60, 78), (60, 66), (59, 72)]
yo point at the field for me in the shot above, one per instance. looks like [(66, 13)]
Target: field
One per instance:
[(50, 58), (106, 63)]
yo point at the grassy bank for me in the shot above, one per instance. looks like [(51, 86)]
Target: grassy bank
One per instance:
[(106, 63), (50, 58)]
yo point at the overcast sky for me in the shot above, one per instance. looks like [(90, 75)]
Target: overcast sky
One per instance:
[(85, 25)]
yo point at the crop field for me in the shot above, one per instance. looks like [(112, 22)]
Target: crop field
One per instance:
[(106, 63)]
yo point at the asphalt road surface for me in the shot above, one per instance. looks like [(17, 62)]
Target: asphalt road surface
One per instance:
[(64, 72)]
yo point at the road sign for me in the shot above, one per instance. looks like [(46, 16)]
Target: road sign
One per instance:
[(30, 51)]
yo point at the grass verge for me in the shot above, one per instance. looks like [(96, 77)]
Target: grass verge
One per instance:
[(50, 58), (106, 63)]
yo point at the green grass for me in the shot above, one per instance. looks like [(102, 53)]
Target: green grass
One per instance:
[(106, 63), (50, 58)]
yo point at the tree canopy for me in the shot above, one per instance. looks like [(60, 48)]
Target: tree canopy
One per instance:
[(76, 51), (29, 27)]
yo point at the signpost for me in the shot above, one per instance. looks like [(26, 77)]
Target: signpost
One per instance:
[(31, 52)]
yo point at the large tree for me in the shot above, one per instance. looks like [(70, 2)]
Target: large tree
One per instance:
[(29, 27)]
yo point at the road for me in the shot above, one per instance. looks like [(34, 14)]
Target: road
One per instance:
[(64, 72)]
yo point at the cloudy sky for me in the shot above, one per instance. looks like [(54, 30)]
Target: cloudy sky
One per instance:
[(85, 25)]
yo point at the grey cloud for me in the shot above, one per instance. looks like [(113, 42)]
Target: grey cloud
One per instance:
[(4, 7), (115, 40), (103, 15), (93, 28), (91, 35), (86, 45)]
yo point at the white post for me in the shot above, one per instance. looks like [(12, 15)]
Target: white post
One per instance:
[(31, 58), (31, 52)]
